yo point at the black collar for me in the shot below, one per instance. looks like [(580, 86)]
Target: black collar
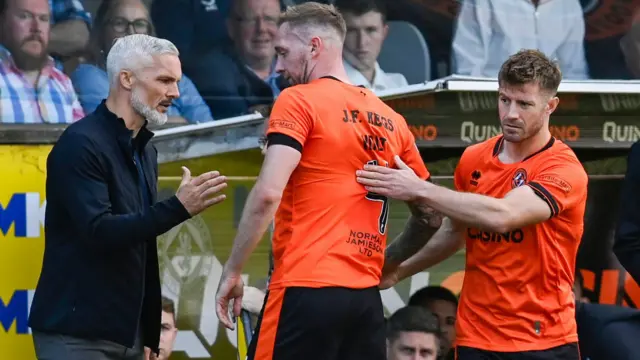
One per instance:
[(125, 135), (497, 148), (338, 80)]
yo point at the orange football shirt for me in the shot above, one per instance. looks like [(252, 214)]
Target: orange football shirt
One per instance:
[(328, 230), (517, 290)]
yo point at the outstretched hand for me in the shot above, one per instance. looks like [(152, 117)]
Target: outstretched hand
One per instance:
[(197, 194), (401, 183)]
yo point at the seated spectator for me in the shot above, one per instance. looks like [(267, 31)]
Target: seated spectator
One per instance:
[(444, 305), (115, 19), (70, 28), (366, 31), (606, 25), (234, 79), (488, 31), (412, 333), (32, 90), (168, 331), (194, 26), (630, 45)]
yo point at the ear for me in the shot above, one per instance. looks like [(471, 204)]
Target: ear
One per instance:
[(126, 79), (316, 45), (552, 104), (385, 30)]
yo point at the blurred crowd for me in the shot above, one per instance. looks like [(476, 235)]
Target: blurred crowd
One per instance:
[(53, 52)]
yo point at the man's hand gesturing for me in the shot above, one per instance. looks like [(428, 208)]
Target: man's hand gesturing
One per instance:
[(197, 194)]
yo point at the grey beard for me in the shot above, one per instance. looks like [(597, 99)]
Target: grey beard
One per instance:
[(154, 117)]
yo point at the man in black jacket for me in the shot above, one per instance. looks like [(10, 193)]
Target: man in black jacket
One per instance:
[(627, 238), (98, 296)]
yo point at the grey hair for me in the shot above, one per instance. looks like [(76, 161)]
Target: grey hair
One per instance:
[(136, 51)]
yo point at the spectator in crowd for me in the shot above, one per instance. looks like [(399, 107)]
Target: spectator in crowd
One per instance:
[(194, 26), (366, 31), (70, 27), (488, 31), (630, 45), (444, 305), (412, 334), (606, 24), (234, 79), (113, 20), (32, 89), (168, 331)]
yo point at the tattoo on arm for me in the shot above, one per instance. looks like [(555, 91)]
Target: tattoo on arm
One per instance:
[(422, 224)]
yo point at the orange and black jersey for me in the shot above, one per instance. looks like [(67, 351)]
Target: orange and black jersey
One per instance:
[(517, 291), (329, 231)]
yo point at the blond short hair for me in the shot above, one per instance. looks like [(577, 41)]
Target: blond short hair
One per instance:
[(311, 13)]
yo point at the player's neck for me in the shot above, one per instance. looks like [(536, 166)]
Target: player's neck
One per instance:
[(330, 68), (516, 152)]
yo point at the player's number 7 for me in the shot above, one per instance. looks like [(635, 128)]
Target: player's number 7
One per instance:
[(384, 212)]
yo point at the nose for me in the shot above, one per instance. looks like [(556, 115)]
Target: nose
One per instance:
[(362, 40), (279, 68), (261, 25), (513, 111), (174, 91), (130, 29), (37, 26)]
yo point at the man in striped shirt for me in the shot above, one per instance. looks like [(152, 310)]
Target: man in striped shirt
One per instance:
[(32, 90)]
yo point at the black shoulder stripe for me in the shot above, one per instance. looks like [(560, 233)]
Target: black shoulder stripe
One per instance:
[(545, 195), (283, 139)]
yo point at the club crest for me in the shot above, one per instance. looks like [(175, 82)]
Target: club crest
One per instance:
[(519, 178)]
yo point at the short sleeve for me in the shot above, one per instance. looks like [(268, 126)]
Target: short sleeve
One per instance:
[(412, 158), (411, 155), (291, 116), (562, 184), (458, 174)]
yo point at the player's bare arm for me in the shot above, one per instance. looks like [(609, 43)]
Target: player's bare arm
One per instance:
[(423, 223), (446, 241), (520, 207), (261, 205)]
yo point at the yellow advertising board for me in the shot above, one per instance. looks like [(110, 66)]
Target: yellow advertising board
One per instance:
[(22, 203), (191, 255)]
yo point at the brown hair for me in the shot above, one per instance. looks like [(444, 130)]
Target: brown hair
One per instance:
[(313, 13), (531, 67), (94, 53), (169, 307)]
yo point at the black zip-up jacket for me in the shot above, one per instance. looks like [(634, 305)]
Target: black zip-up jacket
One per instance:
[(100, 276), (627, 237)]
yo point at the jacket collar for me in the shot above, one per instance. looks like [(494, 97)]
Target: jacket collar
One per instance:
[(125, 135)]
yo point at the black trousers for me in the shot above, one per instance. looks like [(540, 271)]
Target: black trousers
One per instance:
[(61, 347)]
